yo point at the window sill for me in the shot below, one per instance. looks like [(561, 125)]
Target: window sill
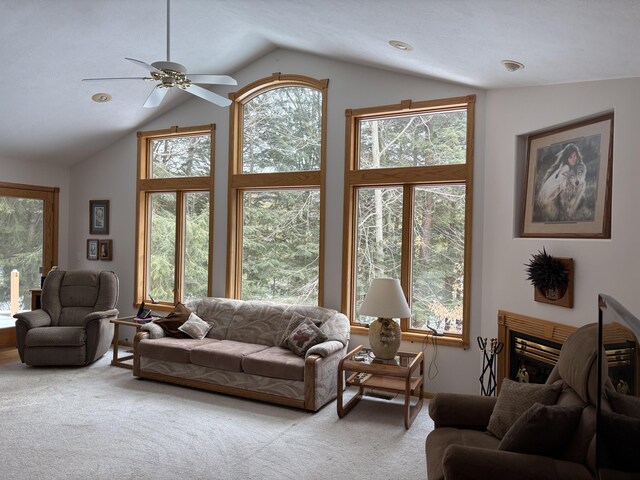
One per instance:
[(413, 337)]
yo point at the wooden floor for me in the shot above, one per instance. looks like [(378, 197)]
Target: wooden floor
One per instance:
[(9, 355)]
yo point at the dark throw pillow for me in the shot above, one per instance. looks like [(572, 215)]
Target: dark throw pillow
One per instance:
[(514, 399), (619, 440), (295, 321), (542, 430), (172, 322), (305, 336)]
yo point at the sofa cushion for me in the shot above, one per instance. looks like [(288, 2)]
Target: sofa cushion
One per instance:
[(542, 430), (195, 327), (55, 337), (305, 336), (619, 442), (274, 362), (224, 354), (624, 404), (257, 322), (514, 399), (218, 312), (171, 349), (174, 320)]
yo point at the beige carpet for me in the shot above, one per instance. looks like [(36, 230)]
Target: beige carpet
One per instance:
[(99, 422)]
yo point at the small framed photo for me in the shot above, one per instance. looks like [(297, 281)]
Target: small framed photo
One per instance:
[(99, 217), (105, 249), (568, 181), (92, 249)]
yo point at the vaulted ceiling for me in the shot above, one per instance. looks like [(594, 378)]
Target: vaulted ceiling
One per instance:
[(47, 47)]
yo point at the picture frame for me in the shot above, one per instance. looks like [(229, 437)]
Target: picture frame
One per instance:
[(568, 176), (105, 249), (99, 217), (92, 249)]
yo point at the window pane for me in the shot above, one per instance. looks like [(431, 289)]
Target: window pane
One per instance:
[(378, 239), (282, 131), (196, 246), (438, 258), (438, 138), (21, 249), (280, 246), (162, 248), (188, 156)]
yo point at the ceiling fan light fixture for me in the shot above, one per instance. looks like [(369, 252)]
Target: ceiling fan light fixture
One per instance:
[(101, 97), (512, 65), (405, 47)]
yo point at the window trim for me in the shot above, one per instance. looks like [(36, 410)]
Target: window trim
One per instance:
[(181, 186), (50, 196), (407, 178), (240, 182)]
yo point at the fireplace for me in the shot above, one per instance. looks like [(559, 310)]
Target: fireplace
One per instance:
[(535, 344)]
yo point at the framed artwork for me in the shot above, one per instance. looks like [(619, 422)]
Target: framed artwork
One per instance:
[(92, 249), (105, 249), (568, 181), (99, 217)]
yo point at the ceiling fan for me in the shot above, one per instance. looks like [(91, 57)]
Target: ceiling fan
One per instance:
[(171, 74)]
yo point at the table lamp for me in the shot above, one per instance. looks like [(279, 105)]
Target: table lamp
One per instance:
[(386, 301)]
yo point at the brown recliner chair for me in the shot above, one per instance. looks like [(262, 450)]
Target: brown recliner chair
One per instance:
[(461, 448), (73, 326)]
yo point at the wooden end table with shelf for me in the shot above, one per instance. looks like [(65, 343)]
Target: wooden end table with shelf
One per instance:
[(404, 375), (129, 322)]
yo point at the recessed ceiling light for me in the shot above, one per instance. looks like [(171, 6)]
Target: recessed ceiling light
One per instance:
[(400, 45), (101, 98), (512, 65)]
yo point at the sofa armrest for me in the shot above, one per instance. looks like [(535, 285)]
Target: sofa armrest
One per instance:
[(141, 335), (461, 410), (325, 349), (465, 462), (93, 316), (320, 379), (33, 319)]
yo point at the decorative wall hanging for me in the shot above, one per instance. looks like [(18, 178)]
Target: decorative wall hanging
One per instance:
[(106, 249), (92, 249), (99, 217), (568, 181), (552, 279)]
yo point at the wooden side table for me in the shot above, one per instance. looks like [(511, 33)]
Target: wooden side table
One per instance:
[(129, 322), (405, 375)]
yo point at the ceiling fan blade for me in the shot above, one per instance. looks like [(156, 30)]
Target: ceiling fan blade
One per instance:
[(209, 96), (155, 97), (144, 65), (211, 79), (115, 78)]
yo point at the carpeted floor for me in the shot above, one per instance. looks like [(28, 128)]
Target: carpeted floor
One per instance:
[(99, 422)]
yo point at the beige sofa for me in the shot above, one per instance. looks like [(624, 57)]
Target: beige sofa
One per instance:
[(241, 354)]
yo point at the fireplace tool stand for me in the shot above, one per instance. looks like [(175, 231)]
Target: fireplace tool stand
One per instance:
[(490, 347)]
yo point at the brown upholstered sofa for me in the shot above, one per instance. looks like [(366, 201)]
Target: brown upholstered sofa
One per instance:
[(73, 327), (461, 448), (241, 355)]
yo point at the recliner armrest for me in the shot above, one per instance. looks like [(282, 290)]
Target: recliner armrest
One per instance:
[(108, 314), (33, 319), (464, 462), (461, 410)]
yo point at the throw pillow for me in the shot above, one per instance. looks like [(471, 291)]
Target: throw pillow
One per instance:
[(195, 327), (514, 399), (305, 336), (174, 320), (624, 404), (295, 322), (619, 442), (542, 430)]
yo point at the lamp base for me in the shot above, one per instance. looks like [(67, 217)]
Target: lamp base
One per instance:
[(384, 338)]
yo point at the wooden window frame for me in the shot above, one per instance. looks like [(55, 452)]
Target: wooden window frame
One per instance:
[(180, 186), (240, 182), (50, 196), (407, 178)]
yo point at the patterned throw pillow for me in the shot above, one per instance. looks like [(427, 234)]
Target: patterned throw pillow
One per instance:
[(305, 336), (514, 399), (171, 323), (295, 322), (542, 430), (195, 327)]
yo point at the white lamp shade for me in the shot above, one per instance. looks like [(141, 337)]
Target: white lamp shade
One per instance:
[(385, 299)]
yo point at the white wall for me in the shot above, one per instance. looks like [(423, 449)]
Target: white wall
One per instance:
[(45, 175), (601, 266), (111, 175)]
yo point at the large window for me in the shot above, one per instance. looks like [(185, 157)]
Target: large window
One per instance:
[(28, 239), (175, 188), (276, 192), (408, 212)]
